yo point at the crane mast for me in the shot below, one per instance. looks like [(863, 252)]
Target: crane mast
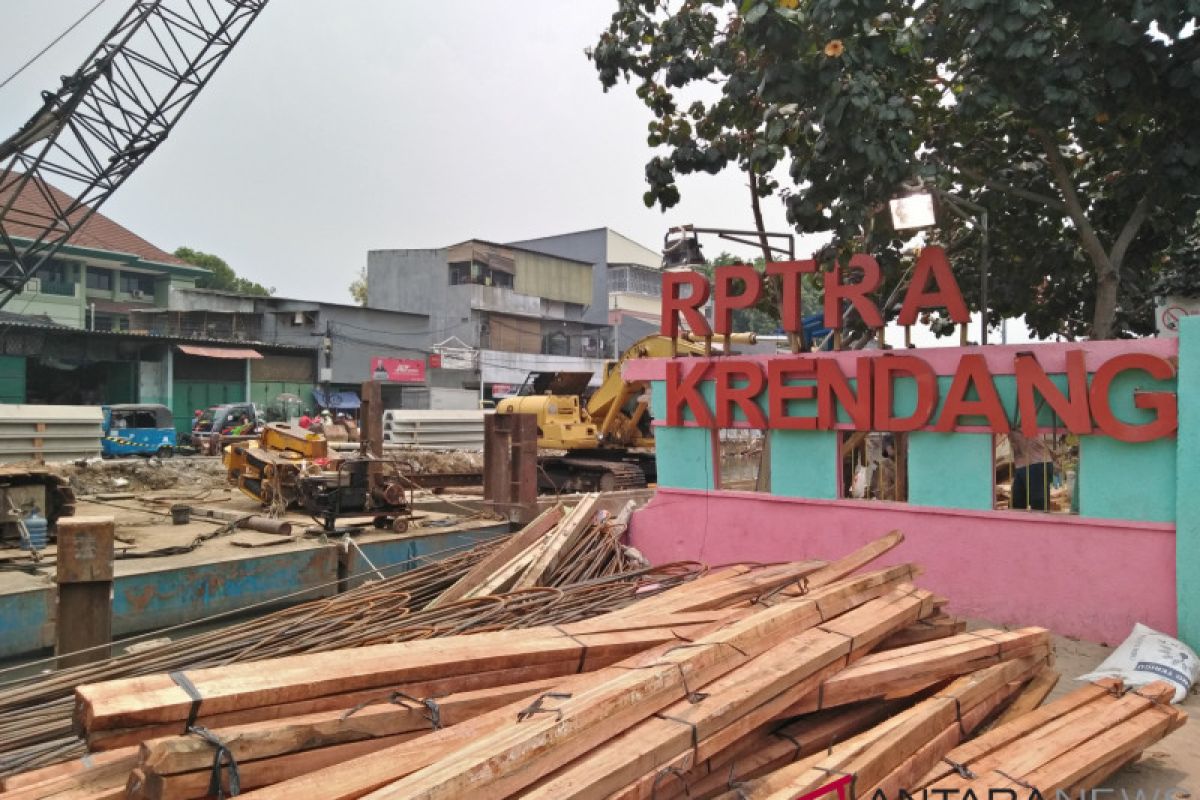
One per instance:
[(105, 120)]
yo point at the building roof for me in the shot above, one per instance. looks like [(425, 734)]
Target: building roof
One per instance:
[(277, 300), (522, 249), (35, 205), (30, 322)]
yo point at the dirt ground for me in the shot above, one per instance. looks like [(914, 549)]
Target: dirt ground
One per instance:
[(197, 474), (1172, 764)]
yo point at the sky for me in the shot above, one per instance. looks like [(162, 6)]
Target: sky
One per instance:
[(387, 124), (337, 128)]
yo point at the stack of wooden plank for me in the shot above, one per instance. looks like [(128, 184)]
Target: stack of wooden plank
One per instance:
[(558, 536), (749, 681), (1070, 745)]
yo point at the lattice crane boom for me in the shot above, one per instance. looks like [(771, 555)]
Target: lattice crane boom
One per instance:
[(105, 120)]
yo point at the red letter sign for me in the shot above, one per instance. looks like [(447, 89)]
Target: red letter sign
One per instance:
[(729, 395), (791, 274), (778, 393), (856, 293), (972, 369), (927, 393), (685, 390), (832, 383), (727, 301), (1164, 404), (1071, 409), (932, 263), (673, 305)]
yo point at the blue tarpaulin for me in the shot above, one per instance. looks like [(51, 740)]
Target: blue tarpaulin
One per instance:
[(341, 401)]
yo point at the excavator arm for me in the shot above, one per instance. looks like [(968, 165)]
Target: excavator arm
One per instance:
[(105, 120), (619, 408)]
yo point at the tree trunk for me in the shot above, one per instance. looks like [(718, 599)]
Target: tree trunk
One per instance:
[(1104, 313), (1108, 279)]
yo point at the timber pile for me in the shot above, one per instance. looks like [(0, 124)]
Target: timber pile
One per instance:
[(595, 575), (749, 681)]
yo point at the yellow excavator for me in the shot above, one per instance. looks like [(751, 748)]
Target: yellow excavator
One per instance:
[(607, 439)]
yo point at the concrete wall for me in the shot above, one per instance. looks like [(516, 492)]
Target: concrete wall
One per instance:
[(418, 282), (1131, 555), (590, 246), (623, 250), (357, 334)]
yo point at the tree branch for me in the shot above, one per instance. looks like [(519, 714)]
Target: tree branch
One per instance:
[(1129, 232), (1024, 194), (1087, 234)]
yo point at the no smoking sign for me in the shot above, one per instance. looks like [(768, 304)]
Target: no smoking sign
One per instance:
[(1171, 316)]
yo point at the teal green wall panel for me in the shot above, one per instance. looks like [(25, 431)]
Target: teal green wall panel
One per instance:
[(804, 464), (690, 464), (1187, 486), (192, 395), (264, 392), (950, 470), (1124, 480), (12, 379)]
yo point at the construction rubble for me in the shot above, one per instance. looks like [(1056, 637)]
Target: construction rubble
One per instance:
[(554, 664)]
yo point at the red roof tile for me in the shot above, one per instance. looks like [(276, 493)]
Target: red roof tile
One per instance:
[(33, 207)]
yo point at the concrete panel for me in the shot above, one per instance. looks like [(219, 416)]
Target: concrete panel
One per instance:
[(804, 464), (951, 470), (49, 433), (690, 465)]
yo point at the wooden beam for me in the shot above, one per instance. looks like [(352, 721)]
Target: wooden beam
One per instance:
[(500, 556), (84, 574)]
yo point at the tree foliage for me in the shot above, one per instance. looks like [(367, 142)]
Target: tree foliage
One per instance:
[(358, 287), (221, 276), (1073, 122)]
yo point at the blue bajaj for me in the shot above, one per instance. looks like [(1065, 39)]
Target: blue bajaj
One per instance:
[(138, 430)]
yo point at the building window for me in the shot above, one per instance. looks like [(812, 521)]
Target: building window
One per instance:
[(874, 466), (134, 283), (557, 344), (100, 279), (475, 272), (56, 278)]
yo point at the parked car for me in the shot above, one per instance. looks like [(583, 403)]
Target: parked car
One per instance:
[(220, 425), (138, 429)]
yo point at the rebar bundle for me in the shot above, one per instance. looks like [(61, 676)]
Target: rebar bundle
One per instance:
[(35, 712)]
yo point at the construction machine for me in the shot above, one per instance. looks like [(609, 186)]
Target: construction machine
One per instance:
[(288, 467), (607, 438)]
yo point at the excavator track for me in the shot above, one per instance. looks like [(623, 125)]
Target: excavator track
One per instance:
[(591, 474)]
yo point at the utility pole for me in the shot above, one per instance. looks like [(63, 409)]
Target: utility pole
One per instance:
[(327, 347)]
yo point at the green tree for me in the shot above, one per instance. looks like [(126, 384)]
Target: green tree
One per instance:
[(1071, 121), (358, 287), (221, 276)]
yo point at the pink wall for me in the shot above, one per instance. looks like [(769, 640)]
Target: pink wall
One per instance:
[(1087, 578)]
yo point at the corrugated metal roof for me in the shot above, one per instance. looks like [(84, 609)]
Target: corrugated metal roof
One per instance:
[(7, 324)]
